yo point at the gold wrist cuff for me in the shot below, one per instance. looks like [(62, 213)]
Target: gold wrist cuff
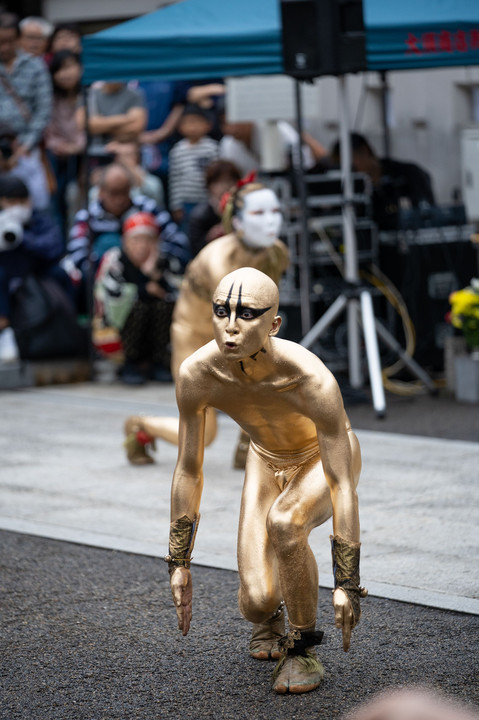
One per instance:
[(345, 555), (182, 538)]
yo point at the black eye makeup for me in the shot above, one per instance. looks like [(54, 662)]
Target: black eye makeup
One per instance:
[(220, 310), (246, 313), (242, 311)]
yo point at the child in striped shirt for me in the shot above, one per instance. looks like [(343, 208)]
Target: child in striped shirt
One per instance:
[(188, 161)]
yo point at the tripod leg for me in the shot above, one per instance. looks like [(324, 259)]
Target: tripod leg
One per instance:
[(354, 348), (409, 362), (324, 321), (372, 351)]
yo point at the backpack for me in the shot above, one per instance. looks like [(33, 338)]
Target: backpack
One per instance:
[(44, 321)]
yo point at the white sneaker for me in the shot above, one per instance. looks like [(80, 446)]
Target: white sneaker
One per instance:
[(8, 346)]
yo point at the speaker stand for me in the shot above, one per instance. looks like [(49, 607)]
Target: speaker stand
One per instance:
[(356, 300)]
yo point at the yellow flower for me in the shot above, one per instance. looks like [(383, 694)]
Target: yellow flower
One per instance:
[(465, 311)]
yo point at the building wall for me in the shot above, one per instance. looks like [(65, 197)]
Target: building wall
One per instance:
[(427, 111)]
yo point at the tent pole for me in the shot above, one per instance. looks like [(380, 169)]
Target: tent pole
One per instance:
[(384, 112), (349, 235), (304, 276)]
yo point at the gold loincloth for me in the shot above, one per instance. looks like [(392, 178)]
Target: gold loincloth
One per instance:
[(286, 463)]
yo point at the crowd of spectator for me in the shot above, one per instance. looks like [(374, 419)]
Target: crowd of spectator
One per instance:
[(99, 189), (91, 158)]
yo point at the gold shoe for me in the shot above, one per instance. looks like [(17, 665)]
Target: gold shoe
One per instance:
[(297, 673), (137, 442), (264, 639)]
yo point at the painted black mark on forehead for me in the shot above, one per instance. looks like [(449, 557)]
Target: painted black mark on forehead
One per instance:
[(227, 303), (240, 308)]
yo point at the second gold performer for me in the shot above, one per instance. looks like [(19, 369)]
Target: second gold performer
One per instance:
[(253, 219)]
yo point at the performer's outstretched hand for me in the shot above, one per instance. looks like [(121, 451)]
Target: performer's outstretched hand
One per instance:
[(182, 591), (343, 616)]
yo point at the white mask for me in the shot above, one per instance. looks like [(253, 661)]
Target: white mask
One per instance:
[(19, 213), (259, 221)]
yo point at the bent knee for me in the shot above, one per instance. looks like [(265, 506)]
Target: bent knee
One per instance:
[(256, 606), (285, 528)]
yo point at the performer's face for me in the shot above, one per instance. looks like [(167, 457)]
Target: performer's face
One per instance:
[(259, 222), (243, 317)]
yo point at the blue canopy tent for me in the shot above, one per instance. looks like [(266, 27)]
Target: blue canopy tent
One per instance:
[(199, 39), (192, 39), (416, 34)]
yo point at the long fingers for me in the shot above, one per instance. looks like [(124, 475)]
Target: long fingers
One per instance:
[(183, 609), (186, 618), (346, 632), (343, 619)]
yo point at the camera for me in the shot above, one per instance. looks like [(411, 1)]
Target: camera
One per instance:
[(11, 233)]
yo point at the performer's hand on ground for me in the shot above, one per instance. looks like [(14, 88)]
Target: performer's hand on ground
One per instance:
[(343, 616), (182, 591)]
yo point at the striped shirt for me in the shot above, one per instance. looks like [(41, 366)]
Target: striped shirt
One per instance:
[(31, 81), (90, 223), (187, 163)]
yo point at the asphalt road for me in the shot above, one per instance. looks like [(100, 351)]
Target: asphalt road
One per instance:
[(90, 634)]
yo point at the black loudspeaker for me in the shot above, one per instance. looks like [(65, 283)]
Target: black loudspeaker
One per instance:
[(426, 275), (323, 37)]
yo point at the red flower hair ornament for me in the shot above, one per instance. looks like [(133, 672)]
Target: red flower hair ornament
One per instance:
[(241, 182)]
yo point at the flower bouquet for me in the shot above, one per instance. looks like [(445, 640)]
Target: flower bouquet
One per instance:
[(464, 312)]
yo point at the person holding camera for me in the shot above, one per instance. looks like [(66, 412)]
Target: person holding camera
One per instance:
[(133, 296), (30, 244)]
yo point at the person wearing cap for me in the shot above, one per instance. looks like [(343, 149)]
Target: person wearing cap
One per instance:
[(30, 244), (98, 227), (25, 100), (188, 161), (133, 297)]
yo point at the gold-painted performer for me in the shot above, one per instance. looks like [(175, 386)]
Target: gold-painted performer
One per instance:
[(302, 467), (253, 220)]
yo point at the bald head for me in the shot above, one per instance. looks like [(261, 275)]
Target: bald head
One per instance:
[(114, 189), (253, 287), (412, 704), (245, 304), (115, 174)]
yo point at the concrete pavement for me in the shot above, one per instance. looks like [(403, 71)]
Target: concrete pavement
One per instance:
[(64, 476)]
